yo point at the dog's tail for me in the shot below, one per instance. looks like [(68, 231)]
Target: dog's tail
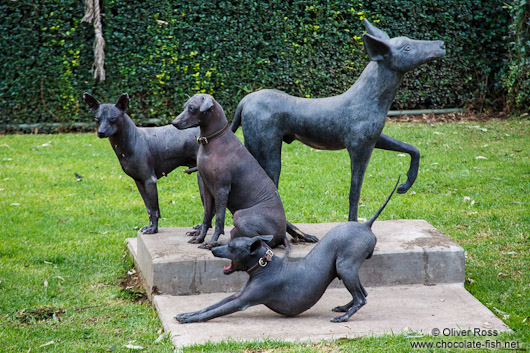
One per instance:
[(374, 217), (236, 122)]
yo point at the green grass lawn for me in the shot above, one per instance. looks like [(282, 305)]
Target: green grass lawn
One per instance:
[(62, 241)]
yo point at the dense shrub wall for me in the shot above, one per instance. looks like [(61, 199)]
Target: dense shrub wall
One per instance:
[(517, 78), (159, 51)]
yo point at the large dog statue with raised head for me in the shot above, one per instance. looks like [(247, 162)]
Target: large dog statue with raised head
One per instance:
[(353, 120)]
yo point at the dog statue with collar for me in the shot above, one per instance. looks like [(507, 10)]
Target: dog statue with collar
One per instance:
[(230, 178), (275, 282)]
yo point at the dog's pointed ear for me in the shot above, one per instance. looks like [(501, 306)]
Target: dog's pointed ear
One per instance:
[(266, 238), (206, 104), (373, 30), (92, 102), (123, 102), (376, 48), (256, 243)]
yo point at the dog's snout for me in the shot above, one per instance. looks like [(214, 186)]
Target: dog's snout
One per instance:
[(442, 45), (220, 251), (177, 123)]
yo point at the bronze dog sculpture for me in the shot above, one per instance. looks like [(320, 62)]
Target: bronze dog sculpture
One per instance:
[(292, 287), (231, 179), (145, 154), (353, 120)]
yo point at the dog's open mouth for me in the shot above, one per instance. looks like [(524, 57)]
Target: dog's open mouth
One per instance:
[(229, 269)]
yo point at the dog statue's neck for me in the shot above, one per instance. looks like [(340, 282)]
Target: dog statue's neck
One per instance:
[(378, 84), (124, 139), (216, 121)]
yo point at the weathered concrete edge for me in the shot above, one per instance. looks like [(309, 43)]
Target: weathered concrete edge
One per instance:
[(417, 266), (132, 246)]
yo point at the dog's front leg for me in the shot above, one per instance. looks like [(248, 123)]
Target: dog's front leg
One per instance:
[(360, 153), (221, 201), (148, 190), (207, 200), (388, 143), (208, 203), (228, 307), (234, 296)]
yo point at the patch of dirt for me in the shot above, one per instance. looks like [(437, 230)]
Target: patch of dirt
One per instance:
[(132, 287), (39, 314)]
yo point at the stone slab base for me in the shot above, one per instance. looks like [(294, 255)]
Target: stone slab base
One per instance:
[(407, 252), (389, 310)]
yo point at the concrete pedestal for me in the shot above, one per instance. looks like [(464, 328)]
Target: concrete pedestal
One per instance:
[(414, 281), (407, 252)]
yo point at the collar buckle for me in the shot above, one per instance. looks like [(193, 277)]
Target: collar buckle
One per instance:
[(202, 140), (262, 262)]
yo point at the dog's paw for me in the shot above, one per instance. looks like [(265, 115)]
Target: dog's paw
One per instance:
[(210, 245), (404, 187), (310, 238), (184, 318), (149, 229), (192, 233), (196, 240), (340, 309), (341, 318)]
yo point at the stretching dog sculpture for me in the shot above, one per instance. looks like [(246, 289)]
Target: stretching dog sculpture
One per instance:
[(292, 287)]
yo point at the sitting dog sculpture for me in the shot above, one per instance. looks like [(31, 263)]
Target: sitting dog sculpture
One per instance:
[(145, 154), (232, 178), (353, 120), (290, 288)]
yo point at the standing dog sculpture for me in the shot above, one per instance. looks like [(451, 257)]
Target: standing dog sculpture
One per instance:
[(290, 288), (145, 154), (353, 120), (232, 178)]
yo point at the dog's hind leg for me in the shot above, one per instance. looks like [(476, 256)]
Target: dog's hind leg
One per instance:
[(268, 152), (350, 278), (359, 300), (388, 143), (254, 221), (344, 308), (149, 194), (297, 234)]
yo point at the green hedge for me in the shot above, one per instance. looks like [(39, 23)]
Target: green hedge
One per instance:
[(159, 51), (517, 79)]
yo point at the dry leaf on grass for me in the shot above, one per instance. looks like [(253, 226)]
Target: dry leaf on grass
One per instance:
[(47, 344)]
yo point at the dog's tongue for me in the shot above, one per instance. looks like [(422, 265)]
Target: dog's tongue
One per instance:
[(229, 267)]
